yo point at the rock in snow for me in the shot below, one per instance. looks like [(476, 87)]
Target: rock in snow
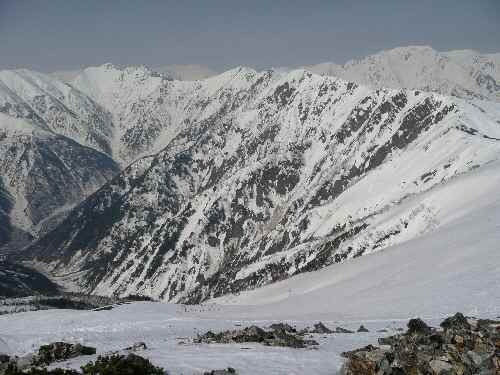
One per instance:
[(458, 349)]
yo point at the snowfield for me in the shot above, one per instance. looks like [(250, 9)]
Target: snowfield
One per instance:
[(455, 268), (166, 330)]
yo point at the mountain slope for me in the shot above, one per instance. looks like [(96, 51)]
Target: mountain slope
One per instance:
[(5, 208), (269, 175), (45, 174), (454, 268), (55, 106), (463, 73), (55, 150)]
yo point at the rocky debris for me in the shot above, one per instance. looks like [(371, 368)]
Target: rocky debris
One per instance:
[(321, 328), (12, 370), (282, 326), (105, 365), (418, 326), (362, 329), (228, 371), (60, 351), (4, 363), (456, 322), (137, 346), (342, 330), (279, 335), (461, 347), (120, 364)]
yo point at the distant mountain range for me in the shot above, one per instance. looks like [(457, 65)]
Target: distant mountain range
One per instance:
[(464, 73), (189, 72), (241, 179)]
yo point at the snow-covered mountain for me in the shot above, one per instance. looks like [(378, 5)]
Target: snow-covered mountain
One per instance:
[(54, 142), (254, 177), (462, 73), (189, 72), (54, 106), (180, 72)]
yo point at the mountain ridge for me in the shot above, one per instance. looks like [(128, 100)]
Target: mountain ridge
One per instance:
[(462, 73), (265, 182)]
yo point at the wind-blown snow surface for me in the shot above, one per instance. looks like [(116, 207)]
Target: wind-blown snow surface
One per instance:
[(266, 175), (462, 73), (455, 268)]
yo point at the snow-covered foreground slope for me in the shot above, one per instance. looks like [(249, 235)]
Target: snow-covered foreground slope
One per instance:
[(455, 268), (462, 73), (167, 331)]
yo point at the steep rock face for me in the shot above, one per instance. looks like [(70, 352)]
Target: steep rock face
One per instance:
[(266, 175), (464, 73)]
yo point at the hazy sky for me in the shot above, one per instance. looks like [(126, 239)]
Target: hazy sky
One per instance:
[(51, 35)]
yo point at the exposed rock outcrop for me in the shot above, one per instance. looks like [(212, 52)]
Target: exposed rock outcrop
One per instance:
[(279, 335), (462, 347)]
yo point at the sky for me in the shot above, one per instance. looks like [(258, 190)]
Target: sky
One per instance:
[(50, 35)]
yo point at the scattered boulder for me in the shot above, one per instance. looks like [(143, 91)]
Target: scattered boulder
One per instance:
[(228, 371), (342, 330), (321, 328), (137, 346), (461, 347), (365, 361), (105, 365), (13, 370), (418, 326), (60, 351), (362, 329), (456, 322), (439, 366), (279, 335), (282, 326), (119, 364)]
